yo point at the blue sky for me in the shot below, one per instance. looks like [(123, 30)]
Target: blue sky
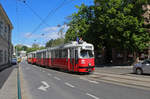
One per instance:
[(25, 21)]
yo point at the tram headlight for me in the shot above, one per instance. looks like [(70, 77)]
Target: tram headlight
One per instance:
[(89, 64)]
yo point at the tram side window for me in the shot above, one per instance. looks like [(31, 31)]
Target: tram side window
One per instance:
[(46, 54), (41, 55), (64, 53), (49, 54), (71, 53), (53, 54), (56, 54), (60, 53)]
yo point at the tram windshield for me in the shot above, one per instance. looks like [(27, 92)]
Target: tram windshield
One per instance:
[(86, 54)]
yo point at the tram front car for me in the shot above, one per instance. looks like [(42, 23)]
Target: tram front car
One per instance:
[(86, 58)]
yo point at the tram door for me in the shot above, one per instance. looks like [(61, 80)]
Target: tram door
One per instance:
[(72, 59)]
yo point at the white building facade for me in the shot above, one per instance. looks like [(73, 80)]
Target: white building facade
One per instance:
[(5, 38)]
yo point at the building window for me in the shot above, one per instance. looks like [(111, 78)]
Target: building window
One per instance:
[(1, 27), (5, 57), (6, 32), (5, 28), (1, 56)]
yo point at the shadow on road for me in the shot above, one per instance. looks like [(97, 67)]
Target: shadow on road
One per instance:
[(144, 74), (5, 73)]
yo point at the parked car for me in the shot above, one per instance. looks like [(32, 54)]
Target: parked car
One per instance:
[(142, 67), (14, 61)]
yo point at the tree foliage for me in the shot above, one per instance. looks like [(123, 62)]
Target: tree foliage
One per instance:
[(56, 42), (111, 24), (80, 23), (34, 47)]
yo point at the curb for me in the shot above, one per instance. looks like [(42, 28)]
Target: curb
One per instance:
[(18, 83)]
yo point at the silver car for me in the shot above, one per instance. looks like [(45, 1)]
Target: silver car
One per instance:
[(142, 67)]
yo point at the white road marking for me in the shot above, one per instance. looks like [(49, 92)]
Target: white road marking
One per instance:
[(92, 96), (95, 82), (44, 86), (49, 74), (92, 81), (96, 73), (57, 78), (69, 85)]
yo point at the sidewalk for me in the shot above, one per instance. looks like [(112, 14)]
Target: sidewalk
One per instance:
[(122, 76), (8, 80)]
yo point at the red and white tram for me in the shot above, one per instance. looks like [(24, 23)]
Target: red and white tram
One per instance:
[(73, 56), (31, 57)]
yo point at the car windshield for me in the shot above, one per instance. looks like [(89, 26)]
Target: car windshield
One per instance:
[(86, 54), (146, 62), (14, 59)]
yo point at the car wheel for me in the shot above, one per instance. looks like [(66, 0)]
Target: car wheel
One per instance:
[(139, 71)]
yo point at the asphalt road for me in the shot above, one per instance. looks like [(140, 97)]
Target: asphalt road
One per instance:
[(42, 83)]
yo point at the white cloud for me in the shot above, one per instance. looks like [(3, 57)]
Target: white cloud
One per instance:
[(45, 35), (28, 35), (52, 32), (51, 29), (52, 35), (27, 45)]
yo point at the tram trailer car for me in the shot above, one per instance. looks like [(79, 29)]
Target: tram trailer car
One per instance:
[(73, 56), (31, 57), (41, 57)]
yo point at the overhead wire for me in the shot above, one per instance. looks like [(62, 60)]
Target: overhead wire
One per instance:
[(50, 13), (33, 11), (17, 19)]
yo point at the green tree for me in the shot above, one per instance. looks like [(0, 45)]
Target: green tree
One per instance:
[(49, 43), (56, 42), (80, 23), (20, 47), (119, 24)]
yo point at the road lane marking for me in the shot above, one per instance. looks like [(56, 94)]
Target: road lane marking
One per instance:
[(57, 78), (69, 85), (91, 81), (49, 74), (95, 82), (44, 86), (96, 73), (92, 96)]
